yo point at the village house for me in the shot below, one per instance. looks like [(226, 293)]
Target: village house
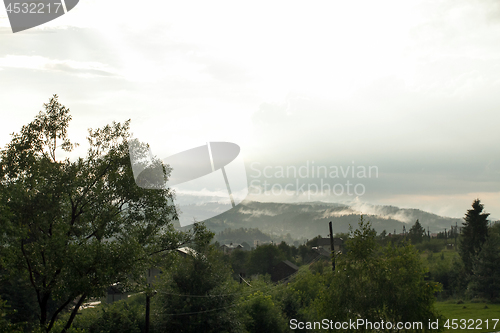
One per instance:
[(324, 243), (228, 248), (283, 270)]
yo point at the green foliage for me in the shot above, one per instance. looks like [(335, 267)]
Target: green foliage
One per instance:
[(434, 245), (263, 259), (473, 235), (17, 291), (239, 262), (202, 237), (196, 294), (441, 269), (416, 233), (119, 317), (320, 266), (74, 228), (361, 242), (122, 316), (458, 277), (5, 325), (377, 283), (306, 253), (482, 281), (261, 314), (485, 281), (286, 251), (297, 297), (469, 311)]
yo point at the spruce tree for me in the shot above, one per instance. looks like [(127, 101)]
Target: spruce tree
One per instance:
[(485, 282), (417, 233), (474, 233)]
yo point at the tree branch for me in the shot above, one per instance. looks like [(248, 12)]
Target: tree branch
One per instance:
[(73, 314), (32, 279), (54, 316)]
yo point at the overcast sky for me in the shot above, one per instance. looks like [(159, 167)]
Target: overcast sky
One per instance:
[(410, 87)]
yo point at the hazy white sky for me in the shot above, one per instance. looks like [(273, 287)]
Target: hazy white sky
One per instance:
[(408, 86)]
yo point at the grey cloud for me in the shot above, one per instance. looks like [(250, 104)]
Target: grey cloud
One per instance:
[(270, 114), (224, 71), (77, 44), (8, 31), (66, 68), (492, 10)]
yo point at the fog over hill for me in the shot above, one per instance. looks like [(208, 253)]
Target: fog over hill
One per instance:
[(307, 220)]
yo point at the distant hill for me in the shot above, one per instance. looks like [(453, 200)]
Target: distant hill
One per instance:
[(307, 220)]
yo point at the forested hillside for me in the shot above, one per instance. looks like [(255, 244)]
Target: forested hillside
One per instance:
[(308, 220)]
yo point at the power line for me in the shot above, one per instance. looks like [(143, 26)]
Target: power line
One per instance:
[(234, 304), (241, 293)]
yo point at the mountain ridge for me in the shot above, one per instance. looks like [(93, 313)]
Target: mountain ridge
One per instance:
[(310, 219)]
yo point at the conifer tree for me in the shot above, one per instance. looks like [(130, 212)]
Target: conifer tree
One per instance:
[(474, 233)]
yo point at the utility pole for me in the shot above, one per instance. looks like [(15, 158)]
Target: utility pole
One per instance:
[(148, 301), (332, 247)]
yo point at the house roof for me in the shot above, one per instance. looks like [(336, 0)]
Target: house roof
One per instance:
[(326, 241), (114, 289), (283, 270), (232, 246), (290, 264), (187, 250), (322, 251)]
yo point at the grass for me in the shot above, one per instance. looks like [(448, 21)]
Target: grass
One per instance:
[(445, 256), (475, 314), (468, 310)]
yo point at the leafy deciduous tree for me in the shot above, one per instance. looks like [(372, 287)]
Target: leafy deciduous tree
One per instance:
[(261, 314), (263, 259), (197, 293), (376, 284), (76, 227)]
